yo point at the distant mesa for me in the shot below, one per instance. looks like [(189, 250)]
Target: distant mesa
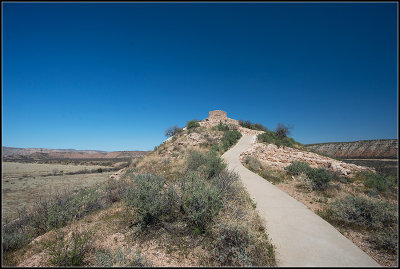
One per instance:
[(217, 116), (380, 148), (26, 154)]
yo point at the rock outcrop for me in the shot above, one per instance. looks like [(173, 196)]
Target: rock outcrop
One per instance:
[(381, 148), (279, 158)]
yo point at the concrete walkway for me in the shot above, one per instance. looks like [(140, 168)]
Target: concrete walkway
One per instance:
[(301, 237)]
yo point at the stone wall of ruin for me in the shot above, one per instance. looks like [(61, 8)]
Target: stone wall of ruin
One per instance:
[(217, 116)]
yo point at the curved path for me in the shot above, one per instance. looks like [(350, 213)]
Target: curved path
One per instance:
[(301, 237)]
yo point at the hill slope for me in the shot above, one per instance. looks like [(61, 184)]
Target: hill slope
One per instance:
[(381, 148)]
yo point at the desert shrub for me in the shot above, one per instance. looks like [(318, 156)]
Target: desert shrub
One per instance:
[(200, 200), (129, 172), (377, 181), (253, 163), (195, 160), (222, 127), (171, 131), (259, 127), (230, 138), (14, 237), (52, 212), (320, 178), (207, 164), (115, 189), (225, 181), (245, 123), (372, 193), (68, 251), (120, 258), (254, 126), (282, 131), (360, 211), (274, 176), (215, 147), (192, 124), (268, 137), (385, 240), (64, 208), (277, 138), (148, 197), (85, 201), (237, 245), (296, 168), (47, 214)]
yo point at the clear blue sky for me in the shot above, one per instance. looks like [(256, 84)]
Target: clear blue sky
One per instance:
[(115, 76)]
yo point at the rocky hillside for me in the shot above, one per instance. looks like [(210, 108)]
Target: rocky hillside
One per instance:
[(280, 157), (381, 148), (210, 134)]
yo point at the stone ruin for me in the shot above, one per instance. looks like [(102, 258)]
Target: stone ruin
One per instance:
[(217, 116)]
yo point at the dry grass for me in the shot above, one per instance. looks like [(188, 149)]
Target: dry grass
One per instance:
[(110, 232), (22, 191), (14, 170)]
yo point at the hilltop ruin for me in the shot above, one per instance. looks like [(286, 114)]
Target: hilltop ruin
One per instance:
[(217, 116)]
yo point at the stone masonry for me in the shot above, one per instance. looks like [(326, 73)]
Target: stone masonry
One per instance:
[(217, 116)]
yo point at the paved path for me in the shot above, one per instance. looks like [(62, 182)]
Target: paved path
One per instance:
[(301, 237)]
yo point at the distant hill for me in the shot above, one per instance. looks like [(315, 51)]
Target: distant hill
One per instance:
[(45, 153), (380, 149)]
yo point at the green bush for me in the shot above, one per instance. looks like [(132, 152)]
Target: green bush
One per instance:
[(207, 164), (148, 197), (66, 207), (254, 126), (229, 139), (360, 211), (268, 137), (376, 181), (192, 124), (385, 240), (68, 252), (195, 160), (280, 140), (236, 245), (253, 163), (320, 178), (222, 127), (14, 237), (116, 189), (201, 201), (296, 168), (215, 147), (225, 181), (119, 258)]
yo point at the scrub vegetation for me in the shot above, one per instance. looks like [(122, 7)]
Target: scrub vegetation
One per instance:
[(187, 206), (362, 207)]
